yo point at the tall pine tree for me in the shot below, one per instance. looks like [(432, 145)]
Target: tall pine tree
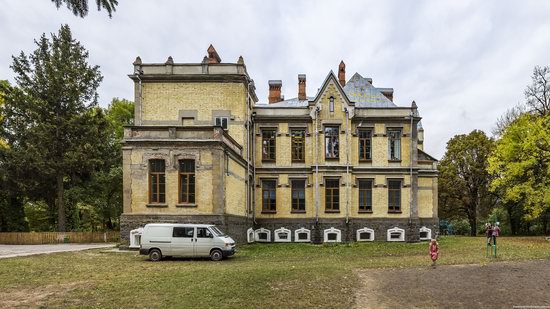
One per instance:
[(51, 123)]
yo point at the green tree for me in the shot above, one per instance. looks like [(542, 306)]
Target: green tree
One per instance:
[(521, 165), (51, 123), (80, 7), (463, 178)]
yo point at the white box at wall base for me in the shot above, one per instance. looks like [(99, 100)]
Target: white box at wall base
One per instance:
[(159, 240)]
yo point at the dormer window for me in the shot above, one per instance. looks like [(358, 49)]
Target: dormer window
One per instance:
[(331, 104)]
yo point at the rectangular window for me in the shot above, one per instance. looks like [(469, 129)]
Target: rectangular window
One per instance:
[(365, 195), (157, 181), (268, 145), (365, 142), (298, 145), (222, 121), (394, 144), (298, 192), (331, 104), (331, 142), (332, 195), (187, 181), (203, 232), (394, 195), (269, 195), (185, 232)]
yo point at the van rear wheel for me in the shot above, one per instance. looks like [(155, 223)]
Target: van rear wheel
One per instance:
[(216, 255), (155, 255)]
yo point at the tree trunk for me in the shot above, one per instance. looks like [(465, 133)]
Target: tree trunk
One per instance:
[(513, 225), (472, 211), (61, 227)]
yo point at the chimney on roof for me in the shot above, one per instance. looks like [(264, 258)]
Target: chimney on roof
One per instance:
[(342, 73), (213, 56), (275, 91), (302, 87)]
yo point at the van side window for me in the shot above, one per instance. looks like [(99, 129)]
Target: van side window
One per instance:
[(186, 232), (203, 232)]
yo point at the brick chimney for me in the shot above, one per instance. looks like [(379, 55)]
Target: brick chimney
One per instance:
[(275, 91), (302, 87), (342, 73), (213, 56)]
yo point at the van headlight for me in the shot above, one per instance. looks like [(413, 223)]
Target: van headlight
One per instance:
[(229, 245)]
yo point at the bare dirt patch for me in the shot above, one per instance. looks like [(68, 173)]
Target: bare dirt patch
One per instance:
[(36, 297), (495, 285)]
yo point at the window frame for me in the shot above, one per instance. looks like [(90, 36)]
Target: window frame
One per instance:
[(368, 191), (222, 118), (269, 207), (329, 138), (394, 143), (158, 175), (331, 105), (297, 142), (271, 146), (298, 206), (366, 156), (332, 206), (189, 175), (395, 208)]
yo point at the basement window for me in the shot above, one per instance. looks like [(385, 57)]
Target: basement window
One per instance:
[(263, 235), (396, 234), (365, 234), (332, 235), (282, 235), (302, 235), (425, 233)]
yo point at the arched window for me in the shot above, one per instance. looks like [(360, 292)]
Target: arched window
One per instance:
[(302, 235), (365, 234), (332, 235), (262, 235), (425, 233), (396, 234), (331, 104), (157, 181), (282, 235)]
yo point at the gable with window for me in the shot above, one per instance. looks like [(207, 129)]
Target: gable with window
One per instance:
[(332, 195), (298, 145), (269, 196), (365, 195), (394, 195), (394, 144), (332, 142), (157, 181), (365, 144), (268, 144), (186, 181), (298, 192)]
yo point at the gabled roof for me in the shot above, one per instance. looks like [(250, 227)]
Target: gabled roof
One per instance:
[(360, 90), (331, 76)]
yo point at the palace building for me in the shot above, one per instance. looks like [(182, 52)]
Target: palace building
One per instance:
[(347, 164)]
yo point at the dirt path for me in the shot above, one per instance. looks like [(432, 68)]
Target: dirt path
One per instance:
[(8, 251), (496, 285)]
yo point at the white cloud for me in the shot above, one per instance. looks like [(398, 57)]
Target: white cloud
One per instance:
[(464, 62)]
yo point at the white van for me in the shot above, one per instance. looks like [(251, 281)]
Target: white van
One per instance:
[(159, 240)]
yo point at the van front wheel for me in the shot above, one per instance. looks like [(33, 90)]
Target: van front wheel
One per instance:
[(155, 255), (216, 255)]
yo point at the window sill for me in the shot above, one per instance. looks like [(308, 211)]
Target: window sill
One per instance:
[(186, 205), (268, 161), (157, 205), (396, 161), (298, 161), (365, 161), (365, 211), (269, 211), (332, 159), (394, 211), (330, 211), (297, 211)]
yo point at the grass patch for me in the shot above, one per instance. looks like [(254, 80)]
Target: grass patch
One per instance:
[(260, 275)]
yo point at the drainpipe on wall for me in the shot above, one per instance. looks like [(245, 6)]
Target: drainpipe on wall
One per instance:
[(348, 180), (247, 180), (253, 169), (411, 170), (316, 165)]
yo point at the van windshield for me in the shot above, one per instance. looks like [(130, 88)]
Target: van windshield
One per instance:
[(217, 231)]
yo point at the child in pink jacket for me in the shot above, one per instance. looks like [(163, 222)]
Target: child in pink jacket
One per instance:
[(434, 251)]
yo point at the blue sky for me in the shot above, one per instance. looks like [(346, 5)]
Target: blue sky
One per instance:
[(464, 62)]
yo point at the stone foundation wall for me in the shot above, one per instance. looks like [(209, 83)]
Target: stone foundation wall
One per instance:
[(380, 227), (234, 226)]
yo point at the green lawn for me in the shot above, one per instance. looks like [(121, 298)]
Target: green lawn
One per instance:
[(260, 275)]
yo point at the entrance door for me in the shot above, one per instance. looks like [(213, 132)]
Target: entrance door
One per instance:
[(203, 242), (183, 241)]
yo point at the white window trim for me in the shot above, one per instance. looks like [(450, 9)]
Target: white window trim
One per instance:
[(262, 230), (331, 231), (250, 235), (299, 231), (429, 231), (221, 121), (280, 231), (135, 238), (365, 230), (394, 230)]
